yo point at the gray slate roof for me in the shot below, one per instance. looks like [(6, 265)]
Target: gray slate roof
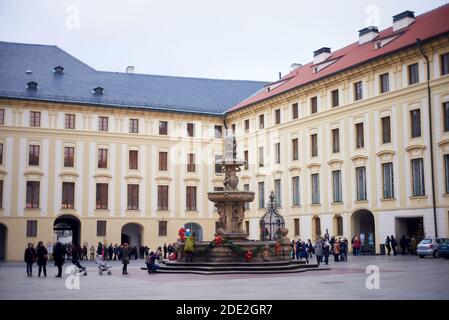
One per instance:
[(165, 93)]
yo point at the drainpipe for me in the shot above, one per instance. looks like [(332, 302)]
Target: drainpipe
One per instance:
[(429, 103)]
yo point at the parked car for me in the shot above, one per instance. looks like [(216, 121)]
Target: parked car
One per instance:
[(430, 247), (444, 249)]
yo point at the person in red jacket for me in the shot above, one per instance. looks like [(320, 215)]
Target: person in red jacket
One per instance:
[(356, 244)]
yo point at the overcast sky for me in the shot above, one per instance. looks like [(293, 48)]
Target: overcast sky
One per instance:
[(230, 39)]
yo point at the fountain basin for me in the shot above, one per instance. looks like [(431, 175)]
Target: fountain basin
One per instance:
[(230, 196)]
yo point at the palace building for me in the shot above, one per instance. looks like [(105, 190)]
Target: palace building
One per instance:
[(354, 142)]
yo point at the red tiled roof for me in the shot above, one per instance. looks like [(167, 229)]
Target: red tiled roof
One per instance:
[(425, 26)]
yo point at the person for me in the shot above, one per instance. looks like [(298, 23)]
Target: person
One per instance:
[(30, 258), (304, 253), (115, 250), (336, 251), (413, 245), (92, 252), (318, 251), (343, 246), (388, 245), (326, 251), (110, 251), (49, 249), (58, 256), (394, 245), (310, 248), (42, 257), (100, 249), (356, 244), (298, 249), (75, 256), (151, 262), (189, 247), (125, 258), (165, 251), (403, 244), (84, 252)]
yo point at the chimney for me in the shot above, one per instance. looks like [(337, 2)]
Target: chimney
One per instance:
[(321, 54), (294, 66), (367, 34), (403, 20), (280, 75), (130, 69)]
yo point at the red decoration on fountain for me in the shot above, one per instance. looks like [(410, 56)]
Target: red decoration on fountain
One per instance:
[(248, 255), (182, 234), (218, 240)]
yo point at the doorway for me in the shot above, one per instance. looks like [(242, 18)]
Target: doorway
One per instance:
[(363, 226), (67, 229), (3, 233)]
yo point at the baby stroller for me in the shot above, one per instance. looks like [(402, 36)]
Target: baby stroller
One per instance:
[(102, 266)]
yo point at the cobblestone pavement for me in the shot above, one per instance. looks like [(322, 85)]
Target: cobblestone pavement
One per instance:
[(401, 277)]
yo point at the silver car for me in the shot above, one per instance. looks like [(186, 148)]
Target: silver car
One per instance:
[(429, 247)]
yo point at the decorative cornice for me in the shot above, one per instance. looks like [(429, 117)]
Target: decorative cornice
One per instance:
[(359, 156), (33, 172), (415, 146), (385, 152)]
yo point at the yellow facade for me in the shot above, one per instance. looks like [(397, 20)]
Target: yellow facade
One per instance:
[(16, 135)]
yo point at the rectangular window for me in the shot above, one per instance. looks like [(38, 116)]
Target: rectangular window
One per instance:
[(163, 161), (2, 116), (218, 132), (446, 116), (190, 130), (1, 194), (247, 125), (388, 181), (191, 162), (358, 91), (33, 155), (277, 148), (335, 98), (190, 198), (415, 118), (261, 121), (278, 192), (384, 83), (261, 190), (418, 177), (360, 174), (133, 125), (218, 167), (336, 186), (277, 116), (69, 157), (246, 155), (162, 228), (133, 197), (35, 119), (446, 166), (296, 191), (101, 228), (1, 153), (32, 199), (102, 158), (261, 157), (68, 195), (360, 141), (413, 74), (133, 159), (296, 223), (102, 196), (313, 105), (31, 228), (295, 149), (233, 128), (445, 64), (315, 188), (314, 145), (295, 113), (69, 121), (246, 188), (103, 123), (163, 128), (162, 197), (386, 130), (335, 140)]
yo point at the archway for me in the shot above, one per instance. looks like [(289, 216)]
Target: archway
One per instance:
[(67, 229), (196, 229), (363, 226), (132, 234), (3, 232)]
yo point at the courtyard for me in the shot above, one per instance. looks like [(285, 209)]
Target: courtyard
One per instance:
[(401, 277)]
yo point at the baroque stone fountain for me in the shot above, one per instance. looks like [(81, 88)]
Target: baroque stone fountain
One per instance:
[(231, 251)]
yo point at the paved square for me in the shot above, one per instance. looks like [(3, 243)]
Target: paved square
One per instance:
[(401, 277)]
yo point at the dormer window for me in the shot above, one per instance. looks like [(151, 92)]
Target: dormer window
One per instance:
[(32, 85), (58, 70), (98, 90)]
